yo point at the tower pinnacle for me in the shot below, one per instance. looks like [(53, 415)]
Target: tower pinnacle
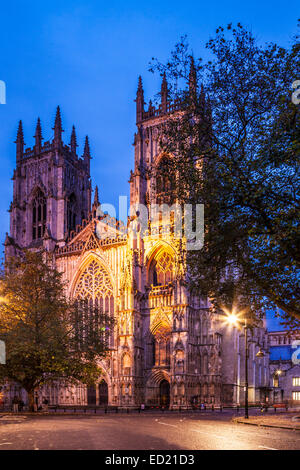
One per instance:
[(20, 142), (139, 101), (96, 198), (73, 142), (38, 137), (164, 94), (192, 78), (57, 128)]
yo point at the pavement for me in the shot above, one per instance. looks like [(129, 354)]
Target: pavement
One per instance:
[(282, 421), (157, 431)]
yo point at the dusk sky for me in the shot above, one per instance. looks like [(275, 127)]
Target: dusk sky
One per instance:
[(86, 57)]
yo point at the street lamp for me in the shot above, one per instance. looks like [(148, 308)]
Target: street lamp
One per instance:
[(234, 320)]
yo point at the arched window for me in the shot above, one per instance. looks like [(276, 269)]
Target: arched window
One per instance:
[(162, 338), (71, 212), (162, 270), (94, 295), (39, 215), (165, 181)]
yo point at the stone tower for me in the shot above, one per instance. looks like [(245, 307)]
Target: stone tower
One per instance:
[(178, 343), (52, 190)]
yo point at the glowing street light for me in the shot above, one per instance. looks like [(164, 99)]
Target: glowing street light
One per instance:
[(232, 319), (235, 320)]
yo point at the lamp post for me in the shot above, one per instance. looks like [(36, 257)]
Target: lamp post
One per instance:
[(234, 320), (246, 373)]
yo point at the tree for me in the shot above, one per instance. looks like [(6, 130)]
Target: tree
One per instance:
[(48, 337), (236, 150)]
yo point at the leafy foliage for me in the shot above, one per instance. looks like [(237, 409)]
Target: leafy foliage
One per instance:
[(48, 337), (236, 150)]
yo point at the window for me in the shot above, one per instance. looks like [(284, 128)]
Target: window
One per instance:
[(296, 381), (165, 182), (162, 270), (39, 215), (94, 296), (296, 396), (161, 350)]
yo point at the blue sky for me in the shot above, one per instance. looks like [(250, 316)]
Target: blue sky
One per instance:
[(86, 57)]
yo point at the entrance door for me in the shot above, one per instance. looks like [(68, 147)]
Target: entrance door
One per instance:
[(164, 392), (103, 393), (91, 395)]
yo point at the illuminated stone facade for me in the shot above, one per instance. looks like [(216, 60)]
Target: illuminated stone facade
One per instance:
[(167, 347)]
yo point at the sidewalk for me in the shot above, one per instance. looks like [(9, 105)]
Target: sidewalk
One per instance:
[(283, 421)]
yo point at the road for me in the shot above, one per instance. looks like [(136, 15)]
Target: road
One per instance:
[(140, 432)]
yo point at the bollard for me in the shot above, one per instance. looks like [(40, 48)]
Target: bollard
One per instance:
[(85, 410), (127, 410), (212, 408), (221, 408), (180, 409), (74, 410), (95, 410), (105, 411)]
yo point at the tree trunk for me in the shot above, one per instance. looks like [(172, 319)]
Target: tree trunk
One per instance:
[(31, 400)]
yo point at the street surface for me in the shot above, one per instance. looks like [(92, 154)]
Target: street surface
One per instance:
[(140, 432)]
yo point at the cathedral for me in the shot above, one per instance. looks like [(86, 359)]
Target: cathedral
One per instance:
[(168, 347)]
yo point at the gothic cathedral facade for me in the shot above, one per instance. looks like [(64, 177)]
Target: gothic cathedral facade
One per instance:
[(168, 348)]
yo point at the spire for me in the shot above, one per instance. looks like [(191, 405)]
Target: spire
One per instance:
[(192, 78), (164, 94), (96, 198), (140, 85), (57, 128), (87, 154), (38, 137), (20, 142), (73, 142), (139, 101)]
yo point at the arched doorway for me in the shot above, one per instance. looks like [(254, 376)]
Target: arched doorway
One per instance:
[(164, 393), (91, 395), (103, 393)]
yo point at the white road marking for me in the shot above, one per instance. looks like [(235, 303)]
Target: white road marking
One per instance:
[(5, 443), (268, 448), (166, 424)]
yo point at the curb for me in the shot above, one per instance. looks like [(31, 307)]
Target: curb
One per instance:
[(240, 421)]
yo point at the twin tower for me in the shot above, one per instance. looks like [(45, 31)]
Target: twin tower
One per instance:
[(52, 184), (52, 190)]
